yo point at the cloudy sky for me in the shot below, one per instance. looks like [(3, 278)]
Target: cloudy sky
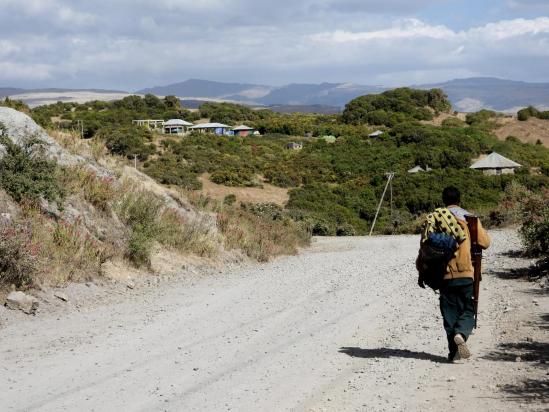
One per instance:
[(131, 44)]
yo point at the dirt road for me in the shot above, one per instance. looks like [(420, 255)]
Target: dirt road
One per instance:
[(341, 327)]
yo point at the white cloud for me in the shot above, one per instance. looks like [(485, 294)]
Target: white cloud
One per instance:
[(137, 43)]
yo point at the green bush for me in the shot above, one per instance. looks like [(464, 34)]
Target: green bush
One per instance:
[(128, 141), (18, 255), (26, 174), (229, 200), (531, 111), (238, 177), (170, 170), (140, 210), (395, 106), (535, 222)]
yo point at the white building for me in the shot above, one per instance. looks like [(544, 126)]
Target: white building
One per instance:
[(217, 128), (496, 164), (176, 126)]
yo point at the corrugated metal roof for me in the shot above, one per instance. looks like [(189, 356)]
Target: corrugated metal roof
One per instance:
[(242, 127), (495, 161), (211, 126), (177, 122)]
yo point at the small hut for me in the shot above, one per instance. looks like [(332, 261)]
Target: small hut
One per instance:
[(243, 130), (176, 126), (416, 169), (495, 164), (217, 128)]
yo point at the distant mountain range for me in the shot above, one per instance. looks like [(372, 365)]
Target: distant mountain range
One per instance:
[(325, 94), (469, 94)]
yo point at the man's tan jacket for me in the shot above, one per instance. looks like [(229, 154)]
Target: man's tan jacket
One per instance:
[(461, 265)]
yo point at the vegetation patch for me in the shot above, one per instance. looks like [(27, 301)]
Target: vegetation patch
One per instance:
[(25, 174)]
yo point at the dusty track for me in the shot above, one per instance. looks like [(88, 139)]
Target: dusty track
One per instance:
[(341, 327)]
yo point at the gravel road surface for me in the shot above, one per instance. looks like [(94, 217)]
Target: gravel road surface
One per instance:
[(341, 327)]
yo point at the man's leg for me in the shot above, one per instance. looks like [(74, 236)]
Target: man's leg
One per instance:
[(450, 314), (466, 320)]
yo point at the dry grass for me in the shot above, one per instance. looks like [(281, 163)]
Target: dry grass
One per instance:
[(261, 238), (266, 194), (529, 131), (99, 191), (65, 250)]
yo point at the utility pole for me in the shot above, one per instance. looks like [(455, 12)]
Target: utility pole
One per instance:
[(80, 123), (390, 176)]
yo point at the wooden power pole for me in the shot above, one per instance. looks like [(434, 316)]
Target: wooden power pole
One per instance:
[(390, 176)]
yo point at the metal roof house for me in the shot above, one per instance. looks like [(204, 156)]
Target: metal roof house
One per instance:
[(243, 130), (217, 128), (176, 126), (376, 133), (496, 164)]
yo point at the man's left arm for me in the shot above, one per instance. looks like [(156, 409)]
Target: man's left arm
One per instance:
[(483, 237)]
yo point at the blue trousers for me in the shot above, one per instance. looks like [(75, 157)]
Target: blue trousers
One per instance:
[(458, 310)]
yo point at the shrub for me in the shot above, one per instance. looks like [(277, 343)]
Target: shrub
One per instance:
[(18, 255), (229, 200), (99, 191), (170, 170), (260, 237), (25, 173), (535, 223), (195, 236), (151, 221), (139, 210), (394, 106), (237, 177), (128, 141)]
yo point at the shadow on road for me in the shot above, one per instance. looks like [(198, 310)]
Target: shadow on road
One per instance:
[(384, 353), (537, 353)]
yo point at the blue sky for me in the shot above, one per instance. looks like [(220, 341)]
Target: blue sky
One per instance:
[(131, 44)]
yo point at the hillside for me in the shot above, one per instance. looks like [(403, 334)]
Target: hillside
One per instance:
[(72, 212), (333, 186)]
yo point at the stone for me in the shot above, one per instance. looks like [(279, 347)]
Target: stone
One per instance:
[(130, 284), (20, 301), (518, 359), (61, 296)]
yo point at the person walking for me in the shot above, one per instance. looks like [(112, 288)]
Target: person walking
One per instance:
[(456, 289)]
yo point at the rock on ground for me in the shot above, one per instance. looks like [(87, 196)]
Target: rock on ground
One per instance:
[(20, 301)]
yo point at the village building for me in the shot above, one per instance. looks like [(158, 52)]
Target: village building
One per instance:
[(416, 169), (495, 164), (149, 123), (294, 146), (419, 169), (176, 126), (216, 128), (243, 130), (376, 133)]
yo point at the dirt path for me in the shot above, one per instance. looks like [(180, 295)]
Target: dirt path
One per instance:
[(341, 327)]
